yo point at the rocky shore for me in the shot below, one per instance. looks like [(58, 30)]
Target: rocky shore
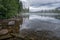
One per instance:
[(8, 27)]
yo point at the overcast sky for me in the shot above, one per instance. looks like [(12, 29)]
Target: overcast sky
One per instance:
[(36, 5)]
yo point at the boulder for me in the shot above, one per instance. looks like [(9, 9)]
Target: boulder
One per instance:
[(11, 23), (3, 31)]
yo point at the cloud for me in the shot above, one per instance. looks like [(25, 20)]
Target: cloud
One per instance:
[(46, 7), (44, 4), (42, 1), (36, 5)]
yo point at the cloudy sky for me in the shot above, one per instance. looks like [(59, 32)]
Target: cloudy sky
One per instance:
[(36, 5)]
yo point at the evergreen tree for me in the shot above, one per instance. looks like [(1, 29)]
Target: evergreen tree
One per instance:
[(9, 8)]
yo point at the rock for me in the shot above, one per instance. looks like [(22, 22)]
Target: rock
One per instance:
[(0, 24), (3, 31), (5, 36), (17, 35), (0, 27), (11, 23)]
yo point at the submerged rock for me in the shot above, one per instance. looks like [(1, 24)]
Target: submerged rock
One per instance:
[(39, 35)]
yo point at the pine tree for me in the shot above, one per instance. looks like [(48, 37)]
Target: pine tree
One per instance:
[(9, 8)]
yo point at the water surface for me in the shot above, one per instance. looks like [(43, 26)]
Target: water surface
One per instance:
[(42, 21)]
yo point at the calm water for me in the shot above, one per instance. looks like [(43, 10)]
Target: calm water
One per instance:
[(42, 21)]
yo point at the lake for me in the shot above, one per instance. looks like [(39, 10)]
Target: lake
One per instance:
[(42, 21)]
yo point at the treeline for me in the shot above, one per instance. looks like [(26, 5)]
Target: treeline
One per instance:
[(49, 11), (9, 8), (25, 10), (52, 11)]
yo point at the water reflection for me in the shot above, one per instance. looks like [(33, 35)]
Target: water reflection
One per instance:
[(37, 22), (57, 17), (44, 18)]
